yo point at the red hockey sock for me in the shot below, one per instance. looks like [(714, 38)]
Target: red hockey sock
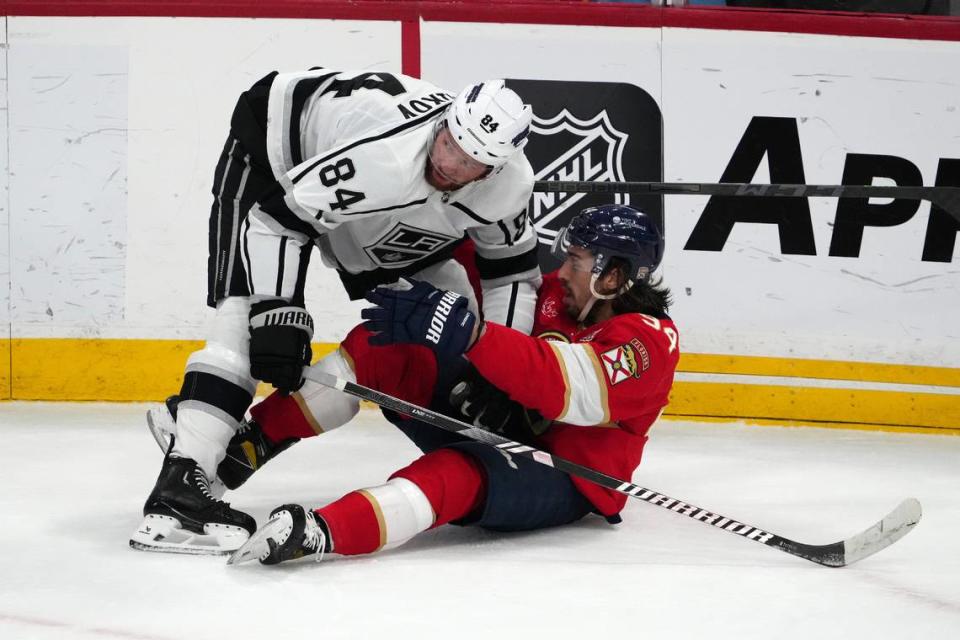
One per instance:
[(453, 482), (352, 522), (281, 417)]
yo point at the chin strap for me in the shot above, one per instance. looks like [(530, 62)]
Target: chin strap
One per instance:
[(585, 310), (595, 295)]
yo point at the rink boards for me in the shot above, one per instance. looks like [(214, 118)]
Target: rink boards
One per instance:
[(805, 314)]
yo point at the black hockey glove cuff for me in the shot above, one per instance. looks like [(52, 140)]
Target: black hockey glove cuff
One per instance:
[(280, 334), (485, 406)]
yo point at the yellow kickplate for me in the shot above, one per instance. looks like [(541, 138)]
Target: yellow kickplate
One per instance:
[(110, 370), (66, 369)]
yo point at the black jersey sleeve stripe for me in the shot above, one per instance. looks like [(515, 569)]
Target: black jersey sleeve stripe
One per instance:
[(514, 288), (246, 254), (412, 203), (409, 124), (281, 258), (301, 93), (470, 213), (491, 269), (298, 292)]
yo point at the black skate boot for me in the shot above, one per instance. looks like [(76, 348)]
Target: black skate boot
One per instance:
[(182, 516), (249, 449), (290, 533)]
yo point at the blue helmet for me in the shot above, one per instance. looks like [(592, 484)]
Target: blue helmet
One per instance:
[(614, 230)]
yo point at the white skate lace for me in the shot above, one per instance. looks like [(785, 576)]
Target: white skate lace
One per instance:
[(204, 484), (314, 538)]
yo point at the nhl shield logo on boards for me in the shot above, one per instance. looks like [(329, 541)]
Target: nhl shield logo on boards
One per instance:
[(594, 151), (609, 131)]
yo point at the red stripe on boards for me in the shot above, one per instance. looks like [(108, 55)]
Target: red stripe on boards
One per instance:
[(410, 47), (568, 12)]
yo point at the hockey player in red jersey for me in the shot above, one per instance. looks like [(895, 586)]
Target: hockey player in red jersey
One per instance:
[(587, 388)]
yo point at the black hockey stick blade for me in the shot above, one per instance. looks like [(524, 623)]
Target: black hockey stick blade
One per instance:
[(893, 527), (947, 198)]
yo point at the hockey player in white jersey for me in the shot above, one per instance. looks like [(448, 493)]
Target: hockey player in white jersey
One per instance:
[(387, 175)]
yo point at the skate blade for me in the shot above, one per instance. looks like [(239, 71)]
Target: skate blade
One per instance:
[(161, 425), (164, 534), (257, 546)]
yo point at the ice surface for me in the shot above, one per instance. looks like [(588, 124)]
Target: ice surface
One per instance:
[(74, 477)]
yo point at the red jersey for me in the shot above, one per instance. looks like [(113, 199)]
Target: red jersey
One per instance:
[(604, 385)]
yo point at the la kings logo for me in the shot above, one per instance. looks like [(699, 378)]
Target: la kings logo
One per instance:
[(404, 244), (589, 131)]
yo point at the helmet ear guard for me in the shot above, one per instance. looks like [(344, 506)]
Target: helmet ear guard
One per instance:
[(489, 122), (600, 264)]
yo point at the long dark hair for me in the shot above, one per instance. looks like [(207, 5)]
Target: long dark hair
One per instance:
[(645, 296)]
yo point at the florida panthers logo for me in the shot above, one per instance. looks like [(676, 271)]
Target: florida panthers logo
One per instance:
[(626, 361)]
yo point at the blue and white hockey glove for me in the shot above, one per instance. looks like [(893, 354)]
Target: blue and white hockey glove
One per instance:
[(280, 334), (416, 312)]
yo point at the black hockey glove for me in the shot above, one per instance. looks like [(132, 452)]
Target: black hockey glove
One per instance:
[(417, 312), (280, 334), (489, 408)]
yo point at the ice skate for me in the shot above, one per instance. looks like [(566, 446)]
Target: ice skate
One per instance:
[(182, 515), (291, 533), (249, 449)]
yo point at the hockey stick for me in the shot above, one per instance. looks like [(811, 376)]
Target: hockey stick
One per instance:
[(947, 198), (894, 526)]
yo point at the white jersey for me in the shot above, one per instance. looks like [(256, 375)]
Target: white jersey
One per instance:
[(349, 153)]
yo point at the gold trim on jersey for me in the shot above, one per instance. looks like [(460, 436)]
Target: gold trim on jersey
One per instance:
[(307, 414), (348, 358), (378, 512), (566, 379), (557, 336)]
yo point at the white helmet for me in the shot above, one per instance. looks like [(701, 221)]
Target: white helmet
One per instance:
[(490, 122)]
